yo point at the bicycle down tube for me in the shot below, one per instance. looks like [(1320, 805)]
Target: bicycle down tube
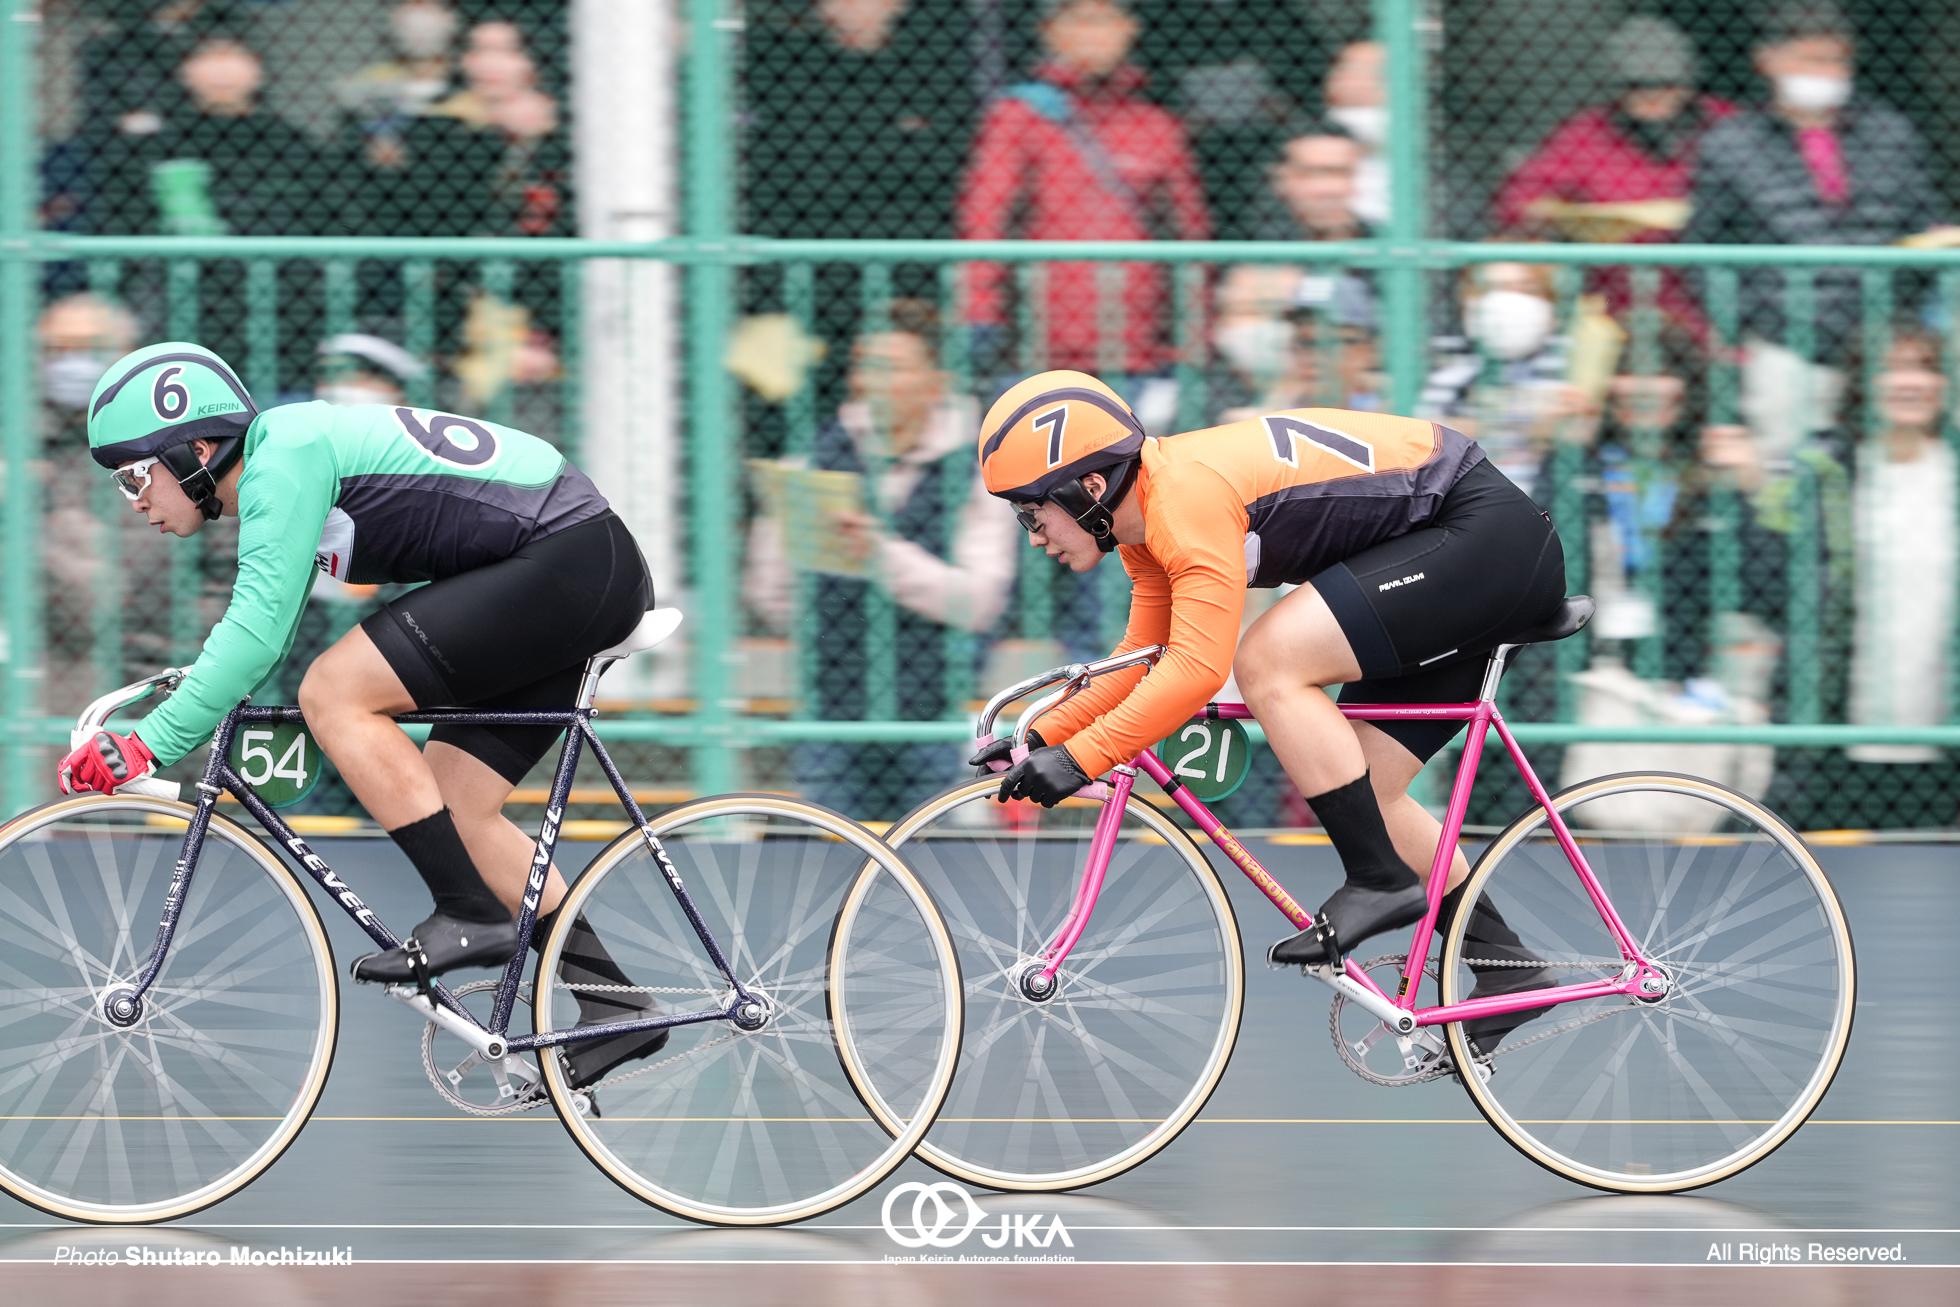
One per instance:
[(219, 777), (1482, 716)]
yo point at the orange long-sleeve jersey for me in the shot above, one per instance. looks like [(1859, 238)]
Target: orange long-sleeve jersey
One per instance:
[(1264, 502)]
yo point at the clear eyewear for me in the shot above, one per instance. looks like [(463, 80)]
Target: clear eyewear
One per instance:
[(134, 479), (1024, 514)]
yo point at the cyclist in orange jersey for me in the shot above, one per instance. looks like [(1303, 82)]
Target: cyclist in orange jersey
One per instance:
[(1413, 555)]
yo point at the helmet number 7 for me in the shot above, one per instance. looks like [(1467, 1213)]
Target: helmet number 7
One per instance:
[(1055, 419)]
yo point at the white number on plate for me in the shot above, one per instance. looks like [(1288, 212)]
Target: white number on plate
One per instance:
[(1183, 767)]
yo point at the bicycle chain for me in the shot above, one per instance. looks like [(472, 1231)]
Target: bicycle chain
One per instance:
[(1443, 1064)]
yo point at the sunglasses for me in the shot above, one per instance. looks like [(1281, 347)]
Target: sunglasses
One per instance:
[(134, 479)]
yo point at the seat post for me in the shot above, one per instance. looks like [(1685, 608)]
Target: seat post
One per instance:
[(588, 687), (1494, 671)]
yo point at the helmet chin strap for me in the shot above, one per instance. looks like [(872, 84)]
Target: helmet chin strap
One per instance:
[(200, 480), (1096, 516)]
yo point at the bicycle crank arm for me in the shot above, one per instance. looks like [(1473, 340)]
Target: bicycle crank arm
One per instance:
[(491, 1046), (1368, 1000)]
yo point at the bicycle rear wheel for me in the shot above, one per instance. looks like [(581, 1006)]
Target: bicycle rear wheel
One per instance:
[(1106, 1072), (738, 1127), (1642, 1097), (231, 1050)]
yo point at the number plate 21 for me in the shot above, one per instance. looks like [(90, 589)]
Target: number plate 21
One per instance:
[(280, 761), (1210, 757)]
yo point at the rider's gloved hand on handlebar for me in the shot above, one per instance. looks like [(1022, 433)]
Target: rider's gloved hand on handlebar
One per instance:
[(1002, 750), (1047, 775), (104, 761)]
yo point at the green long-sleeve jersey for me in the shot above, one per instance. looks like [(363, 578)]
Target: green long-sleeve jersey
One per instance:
[(365, 494)]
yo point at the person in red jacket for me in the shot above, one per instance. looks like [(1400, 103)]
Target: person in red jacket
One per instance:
[(1641, 146), (1078, 154)]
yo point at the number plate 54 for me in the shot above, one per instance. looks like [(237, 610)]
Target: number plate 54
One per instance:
[(1210, 757), (280, 761)]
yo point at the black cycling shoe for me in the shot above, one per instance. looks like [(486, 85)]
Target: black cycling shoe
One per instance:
[(1487, 1033), (589, 1062), (1354, 913), (447, 943)]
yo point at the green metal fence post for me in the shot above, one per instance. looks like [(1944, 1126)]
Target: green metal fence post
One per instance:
[(20, 581), (709, 196), (1404, 284)]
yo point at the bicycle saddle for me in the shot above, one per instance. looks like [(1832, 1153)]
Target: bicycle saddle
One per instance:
[(657, 625), (1570, 619)]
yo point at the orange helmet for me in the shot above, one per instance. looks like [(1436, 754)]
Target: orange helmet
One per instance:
[(1053, 428)]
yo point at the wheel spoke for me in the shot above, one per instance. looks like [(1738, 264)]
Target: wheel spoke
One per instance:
[(1712, 1075)]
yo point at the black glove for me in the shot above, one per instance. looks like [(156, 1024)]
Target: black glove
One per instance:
[(1048, 775), (1002, 750)]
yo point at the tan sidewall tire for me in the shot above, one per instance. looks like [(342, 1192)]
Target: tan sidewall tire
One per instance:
[(1487, 867), (1148, 1147), (905, 1139), (322, 1064)]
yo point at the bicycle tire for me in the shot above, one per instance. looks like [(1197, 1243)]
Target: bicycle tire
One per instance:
[(728, 1127), (1637, 1097), (231, 1052), (1176, 980)]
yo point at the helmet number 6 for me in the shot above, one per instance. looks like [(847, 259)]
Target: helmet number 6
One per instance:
[(168, 397)]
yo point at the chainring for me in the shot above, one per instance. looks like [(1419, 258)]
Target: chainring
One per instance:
[(477, 1085), (1415, 1058)]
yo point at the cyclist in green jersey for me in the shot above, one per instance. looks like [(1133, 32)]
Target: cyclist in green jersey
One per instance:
[(529, 573)]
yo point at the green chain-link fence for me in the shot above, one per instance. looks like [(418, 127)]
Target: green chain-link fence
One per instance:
[(1691, 344)]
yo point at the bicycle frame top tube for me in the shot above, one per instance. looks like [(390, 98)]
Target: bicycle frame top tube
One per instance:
[(1483, 716), (219, 777)]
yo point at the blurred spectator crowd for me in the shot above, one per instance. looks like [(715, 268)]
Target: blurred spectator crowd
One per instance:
[(1754, 470)]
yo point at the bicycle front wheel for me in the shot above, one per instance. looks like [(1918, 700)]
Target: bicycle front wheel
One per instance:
[(756, 1127), (1115, 1063), (230, 1052), (1651, 1097)]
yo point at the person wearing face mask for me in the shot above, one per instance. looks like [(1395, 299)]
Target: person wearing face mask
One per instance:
[(1818, 164), (1310, 197), (1357, 99), (1503, 382), (1637, 149), (356, 368)]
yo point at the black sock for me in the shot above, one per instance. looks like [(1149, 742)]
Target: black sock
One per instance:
[(586, 962), (1352, 818), (1488, 936), (437, 851)]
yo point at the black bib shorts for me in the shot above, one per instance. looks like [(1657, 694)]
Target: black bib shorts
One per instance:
[(1423, 611), (516, 634)]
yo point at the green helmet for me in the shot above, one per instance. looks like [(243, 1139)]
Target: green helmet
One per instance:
[(156, 401)]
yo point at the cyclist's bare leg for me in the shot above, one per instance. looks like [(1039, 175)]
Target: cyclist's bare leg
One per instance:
[(1284, 664), (349, 695), (1292, 652), (475, 793)]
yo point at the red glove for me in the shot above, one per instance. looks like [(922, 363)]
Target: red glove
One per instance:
[(105, 761)]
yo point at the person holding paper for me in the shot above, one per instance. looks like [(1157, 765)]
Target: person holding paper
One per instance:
[(936, 548)]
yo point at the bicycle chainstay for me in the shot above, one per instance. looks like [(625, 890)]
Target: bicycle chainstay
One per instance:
[(532, 1096), (1442, 1064)]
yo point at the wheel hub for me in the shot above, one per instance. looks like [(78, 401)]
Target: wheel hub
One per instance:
[(753, 1012), (123, 1007), (1035, 985), (1654, 987)]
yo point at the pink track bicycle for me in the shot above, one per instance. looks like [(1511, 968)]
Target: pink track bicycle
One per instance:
[(1702, 967)]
